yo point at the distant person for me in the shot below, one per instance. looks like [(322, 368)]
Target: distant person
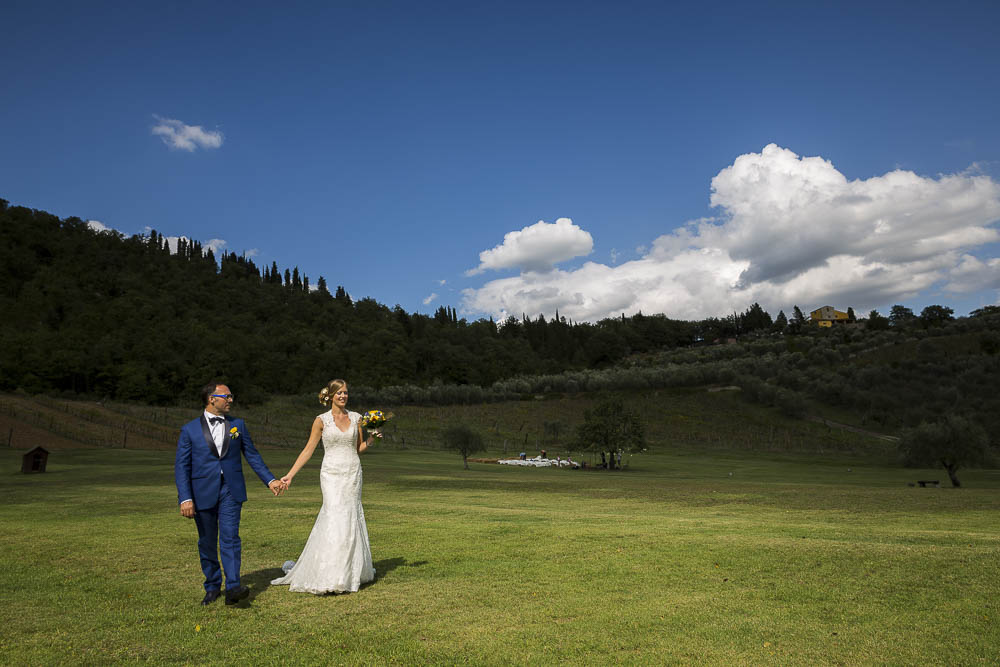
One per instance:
[(337, 557), (208, 471)]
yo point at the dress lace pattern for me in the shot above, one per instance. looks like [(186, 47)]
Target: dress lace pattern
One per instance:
[(337, 557)]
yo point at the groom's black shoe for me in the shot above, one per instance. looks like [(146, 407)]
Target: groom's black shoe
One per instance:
[(234, 595), (210, 597)]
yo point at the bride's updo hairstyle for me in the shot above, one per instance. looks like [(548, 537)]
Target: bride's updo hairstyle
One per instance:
[(327, 392)]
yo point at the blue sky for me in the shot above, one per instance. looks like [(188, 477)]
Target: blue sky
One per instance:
[(590, 157)]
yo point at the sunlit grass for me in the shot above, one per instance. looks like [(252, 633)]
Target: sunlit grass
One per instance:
[(786, 560)]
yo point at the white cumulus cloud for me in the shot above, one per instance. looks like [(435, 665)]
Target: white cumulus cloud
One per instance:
[(537, 247), (215, 245), (172, 242), (98, 226), (786, 214), (790, 230), (973, 274), (181, 136)]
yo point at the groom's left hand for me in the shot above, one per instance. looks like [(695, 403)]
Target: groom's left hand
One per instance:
[(276, 487)]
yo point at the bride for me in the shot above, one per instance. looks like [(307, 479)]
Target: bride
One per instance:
[(336, 558)]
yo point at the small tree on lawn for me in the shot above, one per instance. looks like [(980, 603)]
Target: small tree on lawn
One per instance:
[(953, 442), (609, 427), (463, 440)]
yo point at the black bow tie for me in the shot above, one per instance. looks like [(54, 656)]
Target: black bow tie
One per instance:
[(217, 420)]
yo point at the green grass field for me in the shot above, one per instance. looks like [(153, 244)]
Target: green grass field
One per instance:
[(689, 557)]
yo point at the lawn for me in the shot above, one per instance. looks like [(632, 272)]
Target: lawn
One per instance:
[(690, 556)]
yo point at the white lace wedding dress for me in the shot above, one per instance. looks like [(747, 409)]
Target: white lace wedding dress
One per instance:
[(336, 558)]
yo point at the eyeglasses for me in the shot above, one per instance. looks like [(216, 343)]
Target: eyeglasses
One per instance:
[(228, 397)]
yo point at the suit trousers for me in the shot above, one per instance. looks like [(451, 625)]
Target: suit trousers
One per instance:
[(219, 532)]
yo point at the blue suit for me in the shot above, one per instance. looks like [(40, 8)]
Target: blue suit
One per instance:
[(215, 484)]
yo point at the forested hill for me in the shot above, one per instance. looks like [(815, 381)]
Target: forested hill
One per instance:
[(102, 314)]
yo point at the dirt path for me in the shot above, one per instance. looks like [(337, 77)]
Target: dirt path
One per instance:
[(852, 429)]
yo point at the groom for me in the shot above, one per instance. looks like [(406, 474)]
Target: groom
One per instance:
[(211, 490)]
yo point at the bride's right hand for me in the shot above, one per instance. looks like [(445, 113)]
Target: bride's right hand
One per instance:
[(287, 481)]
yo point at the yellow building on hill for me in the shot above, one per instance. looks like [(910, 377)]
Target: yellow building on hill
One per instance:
[(827, 316)]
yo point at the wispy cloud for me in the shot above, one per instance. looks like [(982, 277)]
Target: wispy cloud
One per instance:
[(430, 298), (180, 136)]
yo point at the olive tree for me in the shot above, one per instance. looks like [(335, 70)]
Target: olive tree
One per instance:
[(609, 427), (463, 440), (953, 442)]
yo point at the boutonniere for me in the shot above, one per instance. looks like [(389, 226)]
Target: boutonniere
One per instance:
[(233, 433)]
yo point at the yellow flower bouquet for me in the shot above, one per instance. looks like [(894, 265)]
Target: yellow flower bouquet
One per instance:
[(373, 420)]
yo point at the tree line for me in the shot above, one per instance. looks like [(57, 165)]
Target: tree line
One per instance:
[(98, 313), (127, 317)]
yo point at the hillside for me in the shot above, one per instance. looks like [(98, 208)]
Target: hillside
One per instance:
[(130, 318), (677, 420), (125, 321)]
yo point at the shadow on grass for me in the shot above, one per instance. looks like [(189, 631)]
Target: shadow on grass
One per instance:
[(384, 567), (260, 580)]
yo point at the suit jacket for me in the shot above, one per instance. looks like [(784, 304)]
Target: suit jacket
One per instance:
[(198, 468)]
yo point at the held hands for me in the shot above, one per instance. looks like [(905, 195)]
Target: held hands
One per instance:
[(277, 486)]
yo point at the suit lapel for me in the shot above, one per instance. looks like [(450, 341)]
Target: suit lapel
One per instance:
[(225, 439), (207, 432)]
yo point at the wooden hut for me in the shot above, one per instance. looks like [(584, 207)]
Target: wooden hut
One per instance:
[(35, 460)]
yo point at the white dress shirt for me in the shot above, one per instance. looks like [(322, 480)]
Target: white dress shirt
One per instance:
[(218, 430)]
